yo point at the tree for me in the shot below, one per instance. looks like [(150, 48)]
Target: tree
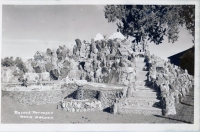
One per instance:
[(151, 22), (20, 64), (188, 13), (8, 62)]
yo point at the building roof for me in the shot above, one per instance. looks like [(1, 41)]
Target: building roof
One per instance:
[(175, 59)]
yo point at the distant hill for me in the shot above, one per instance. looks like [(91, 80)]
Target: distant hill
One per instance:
[(184, 59)]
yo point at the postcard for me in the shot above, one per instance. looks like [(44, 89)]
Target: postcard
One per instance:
[(100, 66)]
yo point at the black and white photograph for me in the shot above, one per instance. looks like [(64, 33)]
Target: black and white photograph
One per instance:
[(100, 64)]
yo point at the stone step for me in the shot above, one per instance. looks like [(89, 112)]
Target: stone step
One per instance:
[(143, 111), (144, 94), (140, 83), (142, 74), (143, 78), (143, 102), (143, 71), (140, 63), (146, 99), (144, 88), (140, 70), (139, 66)]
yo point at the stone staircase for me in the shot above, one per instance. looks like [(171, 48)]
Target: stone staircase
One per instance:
[(144, 99)]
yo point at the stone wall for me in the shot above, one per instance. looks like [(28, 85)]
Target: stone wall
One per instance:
[(72, 105), (35, 97), (108, 98), (86, 94), (105, 97), (41, 97), (69, 91)]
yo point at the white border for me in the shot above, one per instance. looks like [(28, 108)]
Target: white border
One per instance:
[(113, 127)]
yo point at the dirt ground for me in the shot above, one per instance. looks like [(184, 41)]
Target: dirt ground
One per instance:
[(185, 114)]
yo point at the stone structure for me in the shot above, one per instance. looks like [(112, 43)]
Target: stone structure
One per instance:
[(148, 84), (106, 94)]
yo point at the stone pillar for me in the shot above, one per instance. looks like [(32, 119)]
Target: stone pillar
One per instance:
[(79, 94)]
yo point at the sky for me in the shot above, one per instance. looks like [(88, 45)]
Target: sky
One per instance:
[(27, 29)]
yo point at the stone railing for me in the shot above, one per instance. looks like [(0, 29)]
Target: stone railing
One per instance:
[(162, 102), (170, 95)]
